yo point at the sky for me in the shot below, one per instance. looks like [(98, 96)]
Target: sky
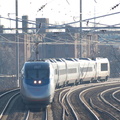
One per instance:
[(60, 11)]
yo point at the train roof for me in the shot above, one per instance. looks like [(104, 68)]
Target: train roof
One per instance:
[(62, 60), (44, 60), (101, 59), (36, 65), (84, 59)]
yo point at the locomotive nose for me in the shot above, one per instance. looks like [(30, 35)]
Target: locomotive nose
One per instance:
[(38, 91), (36, 95)]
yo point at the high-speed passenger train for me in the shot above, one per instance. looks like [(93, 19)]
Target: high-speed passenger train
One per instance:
[(39, 79)]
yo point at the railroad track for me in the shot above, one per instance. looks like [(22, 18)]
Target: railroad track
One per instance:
[(37, 115), (6, 99), (107, 97), (12, 107), (75, 104), (71, 107), (115, 94), (94, 100), (82, 102)]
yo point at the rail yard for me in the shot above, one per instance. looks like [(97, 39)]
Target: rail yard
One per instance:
[(59, 60), (94, 101)]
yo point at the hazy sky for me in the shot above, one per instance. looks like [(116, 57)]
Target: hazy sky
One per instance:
[(60, 11)]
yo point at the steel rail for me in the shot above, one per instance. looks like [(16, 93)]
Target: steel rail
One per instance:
[(3, 111), (102, 94), (113, 94), (5, 93), (88, 107)]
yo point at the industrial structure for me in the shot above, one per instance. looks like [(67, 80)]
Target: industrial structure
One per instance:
[(51, 44), (40, 42)]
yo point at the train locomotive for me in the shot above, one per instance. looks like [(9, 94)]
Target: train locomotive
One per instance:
[(39, 79)]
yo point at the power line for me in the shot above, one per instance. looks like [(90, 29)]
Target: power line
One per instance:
[(53, 25), (91, 18)]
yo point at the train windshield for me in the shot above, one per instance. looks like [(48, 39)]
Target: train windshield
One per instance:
[(38, 76)]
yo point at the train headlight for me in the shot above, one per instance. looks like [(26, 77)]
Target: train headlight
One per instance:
[(39, 82), (35, 82)]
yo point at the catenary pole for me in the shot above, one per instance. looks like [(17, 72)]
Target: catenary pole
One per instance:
[(80, 45), (17, 44)]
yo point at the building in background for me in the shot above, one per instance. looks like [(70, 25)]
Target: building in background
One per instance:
[(41, 25), (64, 44), (53, 44), (40, 43), (25, 24)]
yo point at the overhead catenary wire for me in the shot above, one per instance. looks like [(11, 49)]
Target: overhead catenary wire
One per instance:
[(31, 22), (62, 41), (53, 41), (105, 41), (91, 18)]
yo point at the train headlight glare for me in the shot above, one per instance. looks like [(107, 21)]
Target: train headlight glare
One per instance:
[(35, 82), (39, 82)]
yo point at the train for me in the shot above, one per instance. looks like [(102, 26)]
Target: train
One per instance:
[(40, 79)]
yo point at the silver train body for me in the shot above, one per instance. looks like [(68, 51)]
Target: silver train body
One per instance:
[(40, 78)]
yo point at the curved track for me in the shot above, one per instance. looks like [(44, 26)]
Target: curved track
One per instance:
[(12, 108), (116, 95), (94, 101), (83, 102), (102, 105)]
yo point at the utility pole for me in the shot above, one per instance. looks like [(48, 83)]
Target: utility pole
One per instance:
[(80, 50), (17, 43), (37, 51)]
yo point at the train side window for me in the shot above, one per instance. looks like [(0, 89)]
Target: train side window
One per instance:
[(86, 69), (104, 67), (72, 70)]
